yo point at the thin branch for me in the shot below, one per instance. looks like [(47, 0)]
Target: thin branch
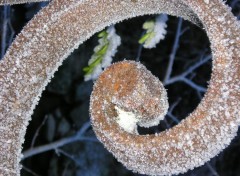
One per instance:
[(37, 131), (60, 151), (4, 29), (29, 171), (188, 71), (54, 145), (174, 51), (166, 122), (174, 118), (199, 94), (171, 108), (197, 65), (193, 85), (212, 170), (7, 31), (139, 52), (84, 128), (66, 169), (12, 33), (184, 30), (183, 76)]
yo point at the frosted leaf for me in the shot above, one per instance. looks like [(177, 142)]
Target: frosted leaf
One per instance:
[(103, 53), (155, 31)]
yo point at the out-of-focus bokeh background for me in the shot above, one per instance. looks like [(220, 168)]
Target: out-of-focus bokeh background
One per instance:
[(63, 108)]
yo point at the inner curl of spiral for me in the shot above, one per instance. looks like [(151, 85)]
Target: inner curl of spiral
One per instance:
[(132, 96), (198, 138)]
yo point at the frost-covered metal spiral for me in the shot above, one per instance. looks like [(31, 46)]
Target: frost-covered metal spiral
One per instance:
[(60, 27), (126, 95), (129, 95)]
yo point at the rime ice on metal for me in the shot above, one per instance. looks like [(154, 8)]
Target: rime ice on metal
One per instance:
[(60, 27), (139, 98), (4, 2)]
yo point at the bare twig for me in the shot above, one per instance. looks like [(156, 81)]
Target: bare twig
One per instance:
[(212, 170), (183, 76), (170, 112), (7, 31), (29, 171), (54, 145), (70, 156), (37, 131), (193, 85), (5, 19), (139, 52), (174, 51)]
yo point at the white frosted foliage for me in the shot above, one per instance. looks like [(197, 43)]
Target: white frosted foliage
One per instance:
[(159, 31), (112, 43)]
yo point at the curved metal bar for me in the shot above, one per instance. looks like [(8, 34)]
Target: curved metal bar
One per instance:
[(52, 35)]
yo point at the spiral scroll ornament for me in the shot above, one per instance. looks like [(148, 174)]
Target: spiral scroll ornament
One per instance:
[(57, 29), (129, 95)]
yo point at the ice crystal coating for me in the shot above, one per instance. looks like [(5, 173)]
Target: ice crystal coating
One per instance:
[(137, 96), (51, 36), (156, 31), (127, 120), (206, 1), (103, 53), (4, 2)]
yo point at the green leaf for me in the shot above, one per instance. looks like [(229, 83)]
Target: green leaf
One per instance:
[(88, 70), (151, 35), (144, 38), (103, 34), (102, 50), (148, 24)]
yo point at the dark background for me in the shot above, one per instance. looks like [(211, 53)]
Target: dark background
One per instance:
[(63, 108)]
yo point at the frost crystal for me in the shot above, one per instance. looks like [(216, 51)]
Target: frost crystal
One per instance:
[(3, 2), (103, 53), (206, 1), (127, 120), (155, 31)]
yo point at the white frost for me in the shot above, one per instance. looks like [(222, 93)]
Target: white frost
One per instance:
[(159, 31), (113, 42), (206, 1), (127, 120)]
